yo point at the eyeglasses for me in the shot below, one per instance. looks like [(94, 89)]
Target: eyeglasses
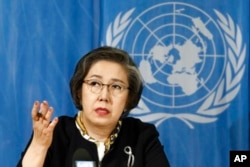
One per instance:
[(96, 87)]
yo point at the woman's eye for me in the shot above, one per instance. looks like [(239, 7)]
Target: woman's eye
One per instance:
[(115, 86), (95, 83)]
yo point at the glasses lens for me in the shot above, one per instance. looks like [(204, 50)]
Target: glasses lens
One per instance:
[(116, 89), (94, 86), (97, 86)]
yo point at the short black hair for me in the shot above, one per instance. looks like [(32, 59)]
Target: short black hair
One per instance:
[(110, 54)]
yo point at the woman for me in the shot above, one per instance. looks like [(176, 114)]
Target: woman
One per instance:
[(105, 86)]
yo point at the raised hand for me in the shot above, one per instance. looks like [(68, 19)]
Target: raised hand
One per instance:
[(43, 129)]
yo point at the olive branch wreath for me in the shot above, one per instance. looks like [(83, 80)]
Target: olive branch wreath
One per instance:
[(219, 100)]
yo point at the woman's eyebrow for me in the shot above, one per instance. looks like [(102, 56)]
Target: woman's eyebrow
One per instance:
[(95, 76), (118, 80), (112, 79)]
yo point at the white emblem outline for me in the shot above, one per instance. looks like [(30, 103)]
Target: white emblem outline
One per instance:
[(217, 102)]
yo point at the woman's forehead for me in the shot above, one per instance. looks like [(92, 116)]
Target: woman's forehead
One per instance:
[(104, 69)]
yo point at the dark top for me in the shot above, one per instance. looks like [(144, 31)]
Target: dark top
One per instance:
[(141, 137)]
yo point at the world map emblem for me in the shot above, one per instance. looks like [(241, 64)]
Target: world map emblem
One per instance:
[(191, 63)]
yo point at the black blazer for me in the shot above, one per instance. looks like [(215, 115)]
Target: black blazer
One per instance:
[(141, 137)]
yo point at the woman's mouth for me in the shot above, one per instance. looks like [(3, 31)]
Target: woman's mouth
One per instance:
[(102, 111)]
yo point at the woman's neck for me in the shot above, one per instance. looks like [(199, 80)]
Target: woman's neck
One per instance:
[(99, 133)]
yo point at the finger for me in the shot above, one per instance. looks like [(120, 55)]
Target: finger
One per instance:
[(46, 118), (52, 125), (49, 113), (43, 108), (34, 111)]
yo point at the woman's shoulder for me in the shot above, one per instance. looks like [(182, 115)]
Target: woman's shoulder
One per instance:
[(66, 120), (66, 124), (135, 121), (137, 125)]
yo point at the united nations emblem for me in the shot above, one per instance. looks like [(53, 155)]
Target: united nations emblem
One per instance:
[(191, 63)]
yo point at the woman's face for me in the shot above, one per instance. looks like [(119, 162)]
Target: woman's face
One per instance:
[(104, 108)]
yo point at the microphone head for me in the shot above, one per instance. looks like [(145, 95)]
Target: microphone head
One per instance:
[(82, 158)]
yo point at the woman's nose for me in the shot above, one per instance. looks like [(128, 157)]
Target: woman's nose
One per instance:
[(105, 93)]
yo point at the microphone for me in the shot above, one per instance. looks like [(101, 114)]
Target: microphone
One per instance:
[(82, 158)]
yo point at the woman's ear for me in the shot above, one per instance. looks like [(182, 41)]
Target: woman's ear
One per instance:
[(79, 96)]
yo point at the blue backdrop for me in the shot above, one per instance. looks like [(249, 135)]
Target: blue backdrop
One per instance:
[(193, 55)]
